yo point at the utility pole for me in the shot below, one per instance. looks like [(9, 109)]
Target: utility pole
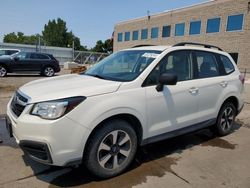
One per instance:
[(38, 43), (73, 50)]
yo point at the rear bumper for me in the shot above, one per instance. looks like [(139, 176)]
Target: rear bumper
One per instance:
[(240, 109), (57, 69)]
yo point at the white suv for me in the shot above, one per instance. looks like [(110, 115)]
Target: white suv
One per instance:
[(133, 97)]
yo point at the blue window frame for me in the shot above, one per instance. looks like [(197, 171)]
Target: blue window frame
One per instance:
[(179, 29), (144, 34), (235, 22), (195, 28), (166, 31), (154, 32), (127, 36), (135, 35), (213, 25), (119, 38)]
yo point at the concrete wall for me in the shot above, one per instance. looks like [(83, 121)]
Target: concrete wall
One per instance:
[(238, 41)]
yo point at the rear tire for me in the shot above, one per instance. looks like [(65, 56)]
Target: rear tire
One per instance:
[(111, 149), (48, 71), (225, 119), (3, 71)]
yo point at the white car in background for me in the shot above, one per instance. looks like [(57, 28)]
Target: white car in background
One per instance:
[(131, 98), (8, 52)]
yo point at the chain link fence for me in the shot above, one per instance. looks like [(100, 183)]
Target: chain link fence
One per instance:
[(61, 54)]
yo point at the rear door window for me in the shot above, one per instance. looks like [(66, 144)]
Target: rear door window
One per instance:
[(207, 64), (39, 56), (227, 64)]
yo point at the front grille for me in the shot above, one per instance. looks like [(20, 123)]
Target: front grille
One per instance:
[(18, 104)]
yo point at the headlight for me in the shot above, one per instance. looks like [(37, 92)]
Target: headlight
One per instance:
[(57, 108)]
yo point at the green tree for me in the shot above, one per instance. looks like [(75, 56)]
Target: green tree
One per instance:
[(20, 38), (56, 33), (10, 38), (103, 47)]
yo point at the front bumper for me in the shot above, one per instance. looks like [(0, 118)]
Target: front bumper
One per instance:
[(55, 142), (37, 151)]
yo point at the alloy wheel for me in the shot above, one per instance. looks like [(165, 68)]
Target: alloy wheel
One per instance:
[(48, 71), (2, 71), (227, 119), (114, 150)]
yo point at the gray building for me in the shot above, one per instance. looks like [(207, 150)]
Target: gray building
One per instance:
[(224, 23)]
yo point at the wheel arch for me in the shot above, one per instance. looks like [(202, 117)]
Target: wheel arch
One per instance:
[(5, 66), (233, 99), (131, 119), (47, 65)]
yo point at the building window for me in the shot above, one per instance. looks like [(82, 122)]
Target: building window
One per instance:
[(166, 31), (135, 35), (235, 22), (144, 34), (119, 39), (213, 25), (154, 32), (179, 29), (127, 36), (195, 28)]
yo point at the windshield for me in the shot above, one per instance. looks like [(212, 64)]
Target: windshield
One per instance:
[(124, 65)]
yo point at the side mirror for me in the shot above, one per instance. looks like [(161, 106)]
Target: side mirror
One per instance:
[(166, 79), (16, 58)]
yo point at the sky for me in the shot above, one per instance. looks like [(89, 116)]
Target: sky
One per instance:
[(90, 20)]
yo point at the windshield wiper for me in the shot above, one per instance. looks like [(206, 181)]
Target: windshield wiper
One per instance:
[(97, 76)]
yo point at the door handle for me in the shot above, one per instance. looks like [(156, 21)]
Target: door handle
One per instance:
[(193, 90), (223, 84)]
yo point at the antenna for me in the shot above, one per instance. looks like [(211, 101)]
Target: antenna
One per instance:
[(148, 13)]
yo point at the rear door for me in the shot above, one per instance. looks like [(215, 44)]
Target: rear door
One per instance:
[(211, 83), (176, 106), (38, 61)]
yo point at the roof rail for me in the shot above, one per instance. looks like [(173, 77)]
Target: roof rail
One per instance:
[(142, 45), (197, 44)]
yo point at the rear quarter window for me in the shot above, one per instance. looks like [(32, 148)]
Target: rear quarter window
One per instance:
[(227, 64)]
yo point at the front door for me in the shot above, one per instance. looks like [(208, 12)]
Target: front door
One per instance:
[(176, 106), (21, 62)]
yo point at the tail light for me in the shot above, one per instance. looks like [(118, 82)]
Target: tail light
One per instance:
[(242, 77)]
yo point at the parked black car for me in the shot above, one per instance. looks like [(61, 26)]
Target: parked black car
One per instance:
[(43, 63)]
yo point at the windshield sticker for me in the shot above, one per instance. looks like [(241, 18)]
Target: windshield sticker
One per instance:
[(150, 55)]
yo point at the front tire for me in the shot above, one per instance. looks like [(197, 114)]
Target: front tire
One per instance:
[(225, 119), (111, 149), (48, 71), (3, 71)]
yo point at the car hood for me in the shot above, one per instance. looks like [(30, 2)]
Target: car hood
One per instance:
[(67, 86)]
